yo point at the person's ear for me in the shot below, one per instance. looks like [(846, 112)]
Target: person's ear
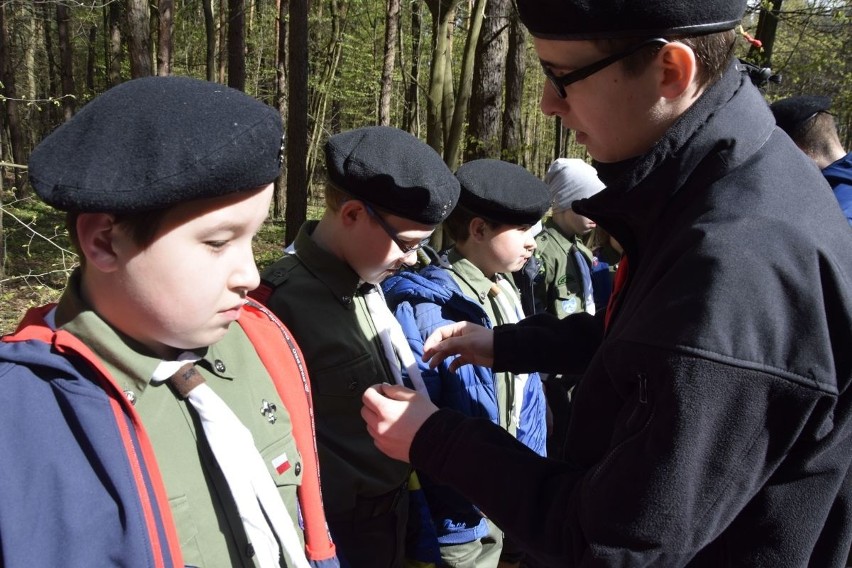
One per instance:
[(679, 69), (96, 233), (476, 228), (350, 210)]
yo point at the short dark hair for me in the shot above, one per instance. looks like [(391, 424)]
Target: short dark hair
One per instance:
[(713, 52), (458, 223), (817, 136), (142, 227)]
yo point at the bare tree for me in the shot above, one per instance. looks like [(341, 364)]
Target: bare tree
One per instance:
[(297, 122), (511, 147), (279, 200), (164, 42), (66, 60), (10, 104), (139, 38), (391, 32), (486, 99), (456, 130), (236, 44), (115, 54), (411, 111), (210, 40)]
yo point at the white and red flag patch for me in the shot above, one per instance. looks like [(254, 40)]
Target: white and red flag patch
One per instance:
[(281, 463)]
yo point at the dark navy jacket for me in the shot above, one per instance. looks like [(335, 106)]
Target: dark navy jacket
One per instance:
[(713, 426)]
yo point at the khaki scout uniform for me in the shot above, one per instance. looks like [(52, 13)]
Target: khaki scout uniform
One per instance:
[(208, 525), (560, 288), (320, 299)]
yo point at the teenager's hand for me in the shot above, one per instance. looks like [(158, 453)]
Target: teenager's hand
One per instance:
[(393, 415), (472, 343)]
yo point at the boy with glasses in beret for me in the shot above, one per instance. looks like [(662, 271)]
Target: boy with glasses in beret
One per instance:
[(155, 416), (491, 228), (713, 424), (386, 193)]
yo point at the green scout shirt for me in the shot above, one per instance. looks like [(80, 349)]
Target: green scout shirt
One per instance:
[(560, 289), (477, 286), (317, 297), (208, 525)]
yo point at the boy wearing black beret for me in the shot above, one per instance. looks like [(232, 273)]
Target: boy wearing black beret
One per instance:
[(386, 193), (807, 120), (155, 417), (492, 232), (713, 424)]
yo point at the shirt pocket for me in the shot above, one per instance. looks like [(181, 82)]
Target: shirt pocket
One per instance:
[(187, 531), (348, 380)]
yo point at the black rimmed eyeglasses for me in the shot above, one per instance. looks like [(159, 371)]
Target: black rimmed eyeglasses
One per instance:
[(392, 233), (559, 82)]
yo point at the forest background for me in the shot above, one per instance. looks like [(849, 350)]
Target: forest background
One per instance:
[(460, 74)]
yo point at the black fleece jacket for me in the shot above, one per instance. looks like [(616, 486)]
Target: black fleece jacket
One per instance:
[(712, 426)]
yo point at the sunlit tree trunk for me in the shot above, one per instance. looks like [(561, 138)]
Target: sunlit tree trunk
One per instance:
[(442, 17), (139, 38), (391, 32), (223, 40), (283, 10), (164, 41), (456, 132), (297, 120)]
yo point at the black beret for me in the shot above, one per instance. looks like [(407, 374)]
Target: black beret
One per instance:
[(394, 170), (502, 192), (610, 19), (791, 112), (157, 141)]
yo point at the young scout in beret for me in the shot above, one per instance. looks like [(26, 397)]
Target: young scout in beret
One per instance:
[(386, 192), (155, 416), (492, 231), (713, 424), (563, 284), (807, 120)]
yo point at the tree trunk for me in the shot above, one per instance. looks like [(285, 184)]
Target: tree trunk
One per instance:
[(511, 147), (164, 43), (115, 53), (50, 118), (767, 24), (139, 38), (391, 32), (456, 132), (236, 44), (411, 111), (66, 61), (297, 121), (442, 17), (210, 35), (10, 106), (322, 92), (488, 75), (223, 40), (280, 199), (91, 59)]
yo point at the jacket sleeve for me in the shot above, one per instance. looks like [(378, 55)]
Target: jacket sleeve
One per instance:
[(679, 451), (547, 344)]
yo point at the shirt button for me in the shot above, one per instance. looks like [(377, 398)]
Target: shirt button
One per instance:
[(249, 551), (298, 469), (130, 396), (219, 366), (346, 300), (353, 385)]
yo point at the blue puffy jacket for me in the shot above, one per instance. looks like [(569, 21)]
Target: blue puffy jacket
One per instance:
[(423, 302)]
